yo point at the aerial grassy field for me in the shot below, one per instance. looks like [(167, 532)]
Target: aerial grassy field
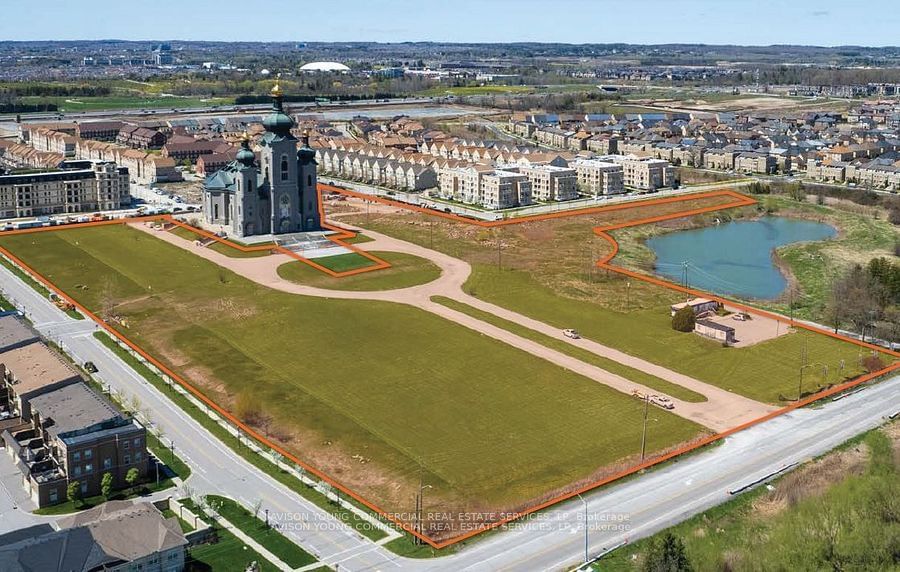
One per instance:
[(375, 394), (406, 270), (546, 271), (75, 104)]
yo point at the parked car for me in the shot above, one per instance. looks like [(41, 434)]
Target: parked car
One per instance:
[(570, 333)]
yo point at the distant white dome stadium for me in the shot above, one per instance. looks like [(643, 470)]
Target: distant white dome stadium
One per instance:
[(324, 67)]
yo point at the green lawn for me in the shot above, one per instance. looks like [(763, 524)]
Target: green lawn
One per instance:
[(267, 536), (768, 371), (344, 262), (401, 389), (609, 365), (406, 270)]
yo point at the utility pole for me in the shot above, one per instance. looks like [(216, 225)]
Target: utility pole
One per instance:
[(499, 254), (791, 303), (644, 432), (584, 502), (628, 296)]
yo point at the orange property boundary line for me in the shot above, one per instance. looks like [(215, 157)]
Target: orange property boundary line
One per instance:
[(740, 200)]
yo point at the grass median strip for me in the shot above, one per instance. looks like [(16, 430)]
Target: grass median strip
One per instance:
[(267, 536), (609, 365)]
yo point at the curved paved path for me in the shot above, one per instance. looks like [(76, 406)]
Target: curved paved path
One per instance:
[(721, 411)]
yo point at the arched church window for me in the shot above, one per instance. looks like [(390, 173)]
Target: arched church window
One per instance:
[(284, 168)]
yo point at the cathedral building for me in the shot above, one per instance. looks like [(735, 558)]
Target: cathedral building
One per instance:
[(277, 194)]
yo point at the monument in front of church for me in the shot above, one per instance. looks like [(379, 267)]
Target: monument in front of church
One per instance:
[(277, 194)]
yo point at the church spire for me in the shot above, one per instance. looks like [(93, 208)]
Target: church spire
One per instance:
[(279, 122)]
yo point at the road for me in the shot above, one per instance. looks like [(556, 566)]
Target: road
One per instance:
[(553, 541)]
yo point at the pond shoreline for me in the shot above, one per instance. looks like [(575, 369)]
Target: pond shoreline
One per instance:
[(777, 264)]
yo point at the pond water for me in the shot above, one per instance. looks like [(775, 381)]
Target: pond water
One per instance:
[(734, 258)]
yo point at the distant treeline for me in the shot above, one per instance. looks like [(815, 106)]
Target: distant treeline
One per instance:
[(27, 107), (54, 90), (250, 99)]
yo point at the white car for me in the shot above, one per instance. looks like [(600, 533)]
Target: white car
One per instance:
[(570, 333)]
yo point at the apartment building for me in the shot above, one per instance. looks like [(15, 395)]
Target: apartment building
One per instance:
[(644, 173), (143, 167), (599, 178), (57, 430), (193, 150), (49, 141), (463, 184), (551, 183), (99, 130), (827, 171), (505, 189), (140, 137), (759, 163), (26, 130), (83, 187), (602, 145), (719, 159)]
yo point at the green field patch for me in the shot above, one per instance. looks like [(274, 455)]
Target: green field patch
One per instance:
[(406, 270), (344, 262)]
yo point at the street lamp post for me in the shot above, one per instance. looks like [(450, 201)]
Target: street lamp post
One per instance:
[(584, 502), (420, 504)]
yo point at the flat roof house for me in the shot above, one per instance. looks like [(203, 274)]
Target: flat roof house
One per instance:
[(15, 333), (29, 371)]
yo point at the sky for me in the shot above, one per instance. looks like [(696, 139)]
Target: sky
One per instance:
[(744, 22)]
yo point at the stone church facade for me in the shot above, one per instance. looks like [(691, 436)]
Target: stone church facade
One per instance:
[(277, 194)]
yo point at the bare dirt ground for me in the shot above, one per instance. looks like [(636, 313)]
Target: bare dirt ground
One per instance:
[(721, 411)]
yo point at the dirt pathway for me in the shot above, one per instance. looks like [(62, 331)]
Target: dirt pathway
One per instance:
[(721, 411)]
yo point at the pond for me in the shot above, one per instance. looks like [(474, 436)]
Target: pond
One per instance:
[(734, 258)]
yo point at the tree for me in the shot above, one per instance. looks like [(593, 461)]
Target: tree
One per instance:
[(131, 476), (667, 555), (684, 319), (106, 485), (73, 493)]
